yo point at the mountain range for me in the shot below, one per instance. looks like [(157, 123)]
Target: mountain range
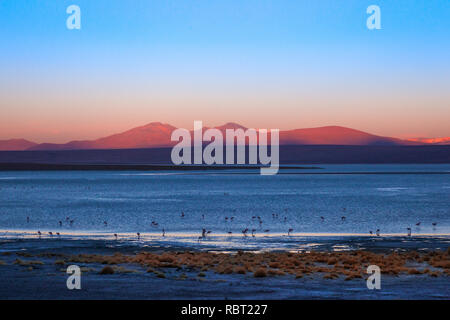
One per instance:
[(157, 134)]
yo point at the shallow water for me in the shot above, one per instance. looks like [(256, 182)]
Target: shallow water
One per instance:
[(130, 201)]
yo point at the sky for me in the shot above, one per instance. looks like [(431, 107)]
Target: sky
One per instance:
[(265, 64)]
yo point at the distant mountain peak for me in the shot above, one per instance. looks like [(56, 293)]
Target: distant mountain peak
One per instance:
[(158, 134), (16, 144), (156, 124), (231, 125)]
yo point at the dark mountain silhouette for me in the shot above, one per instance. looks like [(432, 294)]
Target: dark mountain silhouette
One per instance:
[(157, 134), (16, 144)]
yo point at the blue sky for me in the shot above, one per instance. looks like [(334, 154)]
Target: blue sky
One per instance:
[(314, 62)]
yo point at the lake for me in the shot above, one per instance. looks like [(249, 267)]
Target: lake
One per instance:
[(386, 197)]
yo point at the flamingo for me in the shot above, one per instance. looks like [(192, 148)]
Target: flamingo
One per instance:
[(322, 218), (163, 232), (139, 235), (289, 231), (343, 218), (115, 235), (28, 219), (409, 232), (60, 223), (370, 231), (378, 232), (253, 232), (245, 232)]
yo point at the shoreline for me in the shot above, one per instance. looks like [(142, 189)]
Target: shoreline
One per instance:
[(18, 166), (32, 234), (125, 271), (283, 169)]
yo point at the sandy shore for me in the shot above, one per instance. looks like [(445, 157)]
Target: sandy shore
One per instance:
[(110, 272)]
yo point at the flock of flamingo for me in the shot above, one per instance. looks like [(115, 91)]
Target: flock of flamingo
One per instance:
[(227, 219)]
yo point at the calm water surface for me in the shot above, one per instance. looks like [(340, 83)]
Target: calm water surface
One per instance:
[(130, 201)]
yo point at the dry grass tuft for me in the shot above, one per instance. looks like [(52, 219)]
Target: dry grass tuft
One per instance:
[(107, 270), (21, 262), (260, 273)]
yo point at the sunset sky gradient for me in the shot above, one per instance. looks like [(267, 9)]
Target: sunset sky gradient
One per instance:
[(266, 64)]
